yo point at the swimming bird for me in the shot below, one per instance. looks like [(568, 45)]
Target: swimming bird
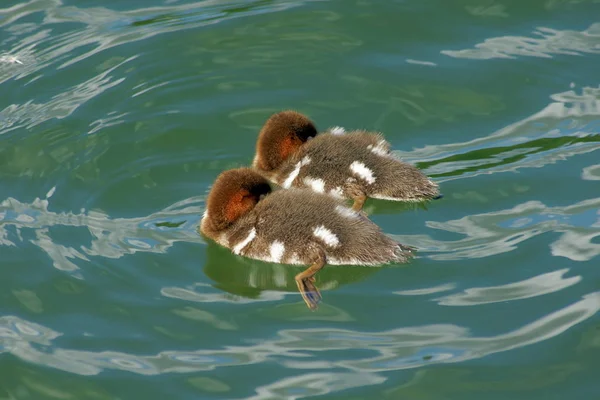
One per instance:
[(296, 226), (353, 165)]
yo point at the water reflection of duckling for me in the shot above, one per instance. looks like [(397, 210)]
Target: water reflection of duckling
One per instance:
[(248, 278), (353, 165), (295, 226)]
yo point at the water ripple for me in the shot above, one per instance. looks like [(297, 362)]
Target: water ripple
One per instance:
[(547, 41), (536, 286), (485, 234), (591, 173), (33, 51), (104, 28), (566, 127), (498, 232), (30, 114), (314, 348), (314, 384), (44, 41), (193, 295), (109, 237)]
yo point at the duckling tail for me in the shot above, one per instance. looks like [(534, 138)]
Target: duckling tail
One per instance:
[(404, 253)]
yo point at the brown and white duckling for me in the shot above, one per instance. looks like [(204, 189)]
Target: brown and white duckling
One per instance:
[(296, 226), (353, 165)]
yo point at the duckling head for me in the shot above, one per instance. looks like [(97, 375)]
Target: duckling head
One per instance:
[(234, 194), (281, 136)]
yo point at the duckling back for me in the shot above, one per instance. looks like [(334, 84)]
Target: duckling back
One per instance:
[(291, 226), (356, 161)]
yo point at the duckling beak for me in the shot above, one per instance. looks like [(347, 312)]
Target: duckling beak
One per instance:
[(439, 196)]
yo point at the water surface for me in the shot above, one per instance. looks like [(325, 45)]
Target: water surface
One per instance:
[(116, 116)]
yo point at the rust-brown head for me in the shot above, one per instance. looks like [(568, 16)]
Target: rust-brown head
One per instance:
[(281, 136), (234, 194)]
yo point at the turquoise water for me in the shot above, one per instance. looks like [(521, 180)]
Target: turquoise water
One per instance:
[(116, 116)]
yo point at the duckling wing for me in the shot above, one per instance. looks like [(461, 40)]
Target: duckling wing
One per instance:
[(302, 221)]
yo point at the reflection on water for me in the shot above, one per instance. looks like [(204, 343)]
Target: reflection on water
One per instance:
[(297, 42), (536, 286), (30, 114), (299, 349), (418, 103), (314, 384), (197, 314), (248, 278), (501, 231), (485, 234), (522, 144), (545, 43), (566, 127), (591, 173), (462, 381), (81, 80), (24, 382), (105, 28), (490, 9), (108, 237), (202, 293)]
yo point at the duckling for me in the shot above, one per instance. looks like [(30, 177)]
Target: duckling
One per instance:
[(353, 165), (296, 226)]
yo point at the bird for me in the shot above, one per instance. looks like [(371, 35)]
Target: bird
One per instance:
[(296, 226), (353, 165)]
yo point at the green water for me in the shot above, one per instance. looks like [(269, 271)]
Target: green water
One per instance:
[(116, 116)]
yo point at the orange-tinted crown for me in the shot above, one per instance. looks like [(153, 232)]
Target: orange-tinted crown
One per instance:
[(234, 194), (281, 136)]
